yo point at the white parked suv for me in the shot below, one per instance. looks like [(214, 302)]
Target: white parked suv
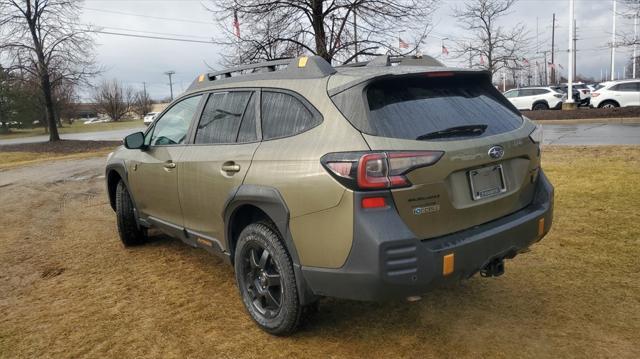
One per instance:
[(535, 98), (148, 118), (616, 94)]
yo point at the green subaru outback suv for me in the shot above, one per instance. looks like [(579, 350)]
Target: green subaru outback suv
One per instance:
[(373, 181)]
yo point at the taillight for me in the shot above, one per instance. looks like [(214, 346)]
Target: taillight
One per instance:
[(376, 170)]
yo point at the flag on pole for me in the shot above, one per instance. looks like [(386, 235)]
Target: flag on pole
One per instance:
[(551, 65), (402, 44), (236, 23), (445, 51), (481, 60)]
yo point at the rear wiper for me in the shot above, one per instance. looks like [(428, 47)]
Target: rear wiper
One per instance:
[(457, 131)]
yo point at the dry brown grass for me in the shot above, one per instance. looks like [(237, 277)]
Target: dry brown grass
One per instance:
[(17, 159), (69, 289)]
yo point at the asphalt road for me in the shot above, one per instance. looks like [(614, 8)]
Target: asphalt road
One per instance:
[(581, 134), (113, 135), (592, 134)]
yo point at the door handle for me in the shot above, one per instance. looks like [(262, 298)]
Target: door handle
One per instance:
[(169, 165), (231, 167)]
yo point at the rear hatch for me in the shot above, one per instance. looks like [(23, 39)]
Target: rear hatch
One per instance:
[(489, 163)]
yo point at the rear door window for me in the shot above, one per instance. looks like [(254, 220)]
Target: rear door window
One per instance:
[(409, 108), (284, 115), (222, 117)]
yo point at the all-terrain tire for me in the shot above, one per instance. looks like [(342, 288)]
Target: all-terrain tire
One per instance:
[(130, 233), (253, 241)]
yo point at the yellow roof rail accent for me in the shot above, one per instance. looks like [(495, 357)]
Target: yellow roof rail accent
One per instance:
[(302, 62)]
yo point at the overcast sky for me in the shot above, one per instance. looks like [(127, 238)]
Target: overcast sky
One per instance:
[(137, 60)]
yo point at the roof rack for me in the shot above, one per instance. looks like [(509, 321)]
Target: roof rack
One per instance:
[(303, 67)]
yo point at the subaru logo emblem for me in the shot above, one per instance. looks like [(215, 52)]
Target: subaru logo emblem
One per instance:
[(496, 152)]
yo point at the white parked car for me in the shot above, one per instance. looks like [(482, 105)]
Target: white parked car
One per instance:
[(148, 118), (583, 90), (616, 94), (535, 98), (94, 120)]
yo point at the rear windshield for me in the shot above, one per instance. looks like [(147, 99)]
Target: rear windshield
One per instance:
[(411, 108)]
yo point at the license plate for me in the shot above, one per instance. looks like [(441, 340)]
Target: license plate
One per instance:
[(487, 182)]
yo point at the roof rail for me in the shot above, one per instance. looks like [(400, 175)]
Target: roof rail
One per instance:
[(268, 65), (388, 60), (303, 67)]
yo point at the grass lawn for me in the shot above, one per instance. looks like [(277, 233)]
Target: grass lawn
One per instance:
[(76, 127), (69, 289)]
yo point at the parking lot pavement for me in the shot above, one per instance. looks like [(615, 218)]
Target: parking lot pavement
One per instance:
[(570, 134), (113, 135), (592, 134)]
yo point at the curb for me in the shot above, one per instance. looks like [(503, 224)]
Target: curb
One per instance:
[(615, 120)]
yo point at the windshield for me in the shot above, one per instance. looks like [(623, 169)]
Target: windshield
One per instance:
[(409, 108)]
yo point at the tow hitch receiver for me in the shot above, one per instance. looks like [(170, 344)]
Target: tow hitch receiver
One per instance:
[(495, 268)]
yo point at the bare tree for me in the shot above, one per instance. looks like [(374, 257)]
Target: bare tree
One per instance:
[(630, 10), (337, 30), (491, 45), (113, 99), (141, 103), (44, 38)]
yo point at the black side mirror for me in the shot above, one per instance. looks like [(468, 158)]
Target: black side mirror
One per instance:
[(134, 141)]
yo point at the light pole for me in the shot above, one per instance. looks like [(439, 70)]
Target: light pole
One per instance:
[(170, 73), (571, 50), (613, 44)]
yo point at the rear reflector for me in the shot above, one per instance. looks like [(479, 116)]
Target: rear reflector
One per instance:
[(541, 227), (447, 264), (374, 202)]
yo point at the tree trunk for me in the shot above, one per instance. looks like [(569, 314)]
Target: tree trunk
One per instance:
[(48, 104), (318, 29)]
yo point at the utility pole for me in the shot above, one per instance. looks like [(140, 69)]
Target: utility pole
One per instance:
[(613, 44), (635, 43), (553, 49), (170, 73), (537, 48)]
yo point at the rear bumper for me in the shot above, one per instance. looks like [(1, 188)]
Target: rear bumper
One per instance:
[(386, 260)]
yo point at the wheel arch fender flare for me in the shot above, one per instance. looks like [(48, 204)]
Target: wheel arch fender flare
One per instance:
[(270, 201), (114, 171)]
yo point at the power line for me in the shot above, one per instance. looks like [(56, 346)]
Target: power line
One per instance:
[(155, 37), (148, 16), (146, 32)]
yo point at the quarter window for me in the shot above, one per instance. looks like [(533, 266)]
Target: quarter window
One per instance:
[(627, 87), (172, 127), (284, 115), (221, 117)]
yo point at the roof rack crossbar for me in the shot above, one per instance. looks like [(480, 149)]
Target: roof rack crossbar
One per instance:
[(269, 65)]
